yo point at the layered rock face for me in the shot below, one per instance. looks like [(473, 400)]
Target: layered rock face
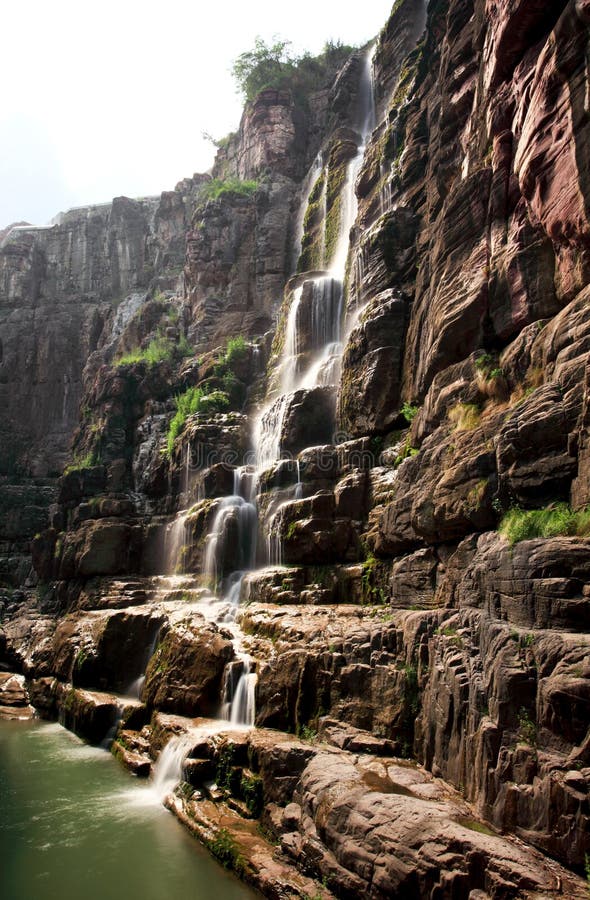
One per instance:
[(67, 293), (409, 541)]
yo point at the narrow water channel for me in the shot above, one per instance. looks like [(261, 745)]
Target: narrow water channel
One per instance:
[(75, 826)]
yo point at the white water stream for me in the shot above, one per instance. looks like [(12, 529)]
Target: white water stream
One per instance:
[(233, 534)]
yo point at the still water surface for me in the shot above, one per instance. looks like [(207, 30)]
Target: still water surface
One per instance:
[(75, 826)]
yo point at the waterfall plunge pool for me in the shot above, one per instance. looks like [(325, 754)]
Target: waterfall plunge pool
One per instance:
[(74, 824)]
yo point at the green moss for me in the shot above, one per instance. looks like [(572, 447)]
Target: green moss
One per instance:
[(224, 847), (313, 226), (557, 519), (407, 76), (335, 184), (88, 461), (479, 827)]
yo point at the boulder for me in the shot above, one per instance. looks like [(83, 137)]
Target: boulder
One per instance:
[(185, 674)]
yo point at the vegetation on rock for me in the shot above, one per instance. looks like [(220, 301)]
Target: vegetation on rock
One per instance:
[(273, 66), (160, 349), (557, 519), (219, 187), (193, 402)]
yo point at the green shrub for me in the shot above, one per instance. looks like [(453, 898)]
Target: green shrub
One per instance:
[(525, 524), (273, 66), (411, 690), (251, 791), (406, 451), (236, 349), (159, 349), (409, 412), (217, 187), (193, 402), (307, 733), (485, 362), (527, 728)]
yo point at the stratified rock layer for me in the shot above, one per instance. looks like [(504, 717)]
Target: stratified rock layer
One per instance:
[(445, 669)]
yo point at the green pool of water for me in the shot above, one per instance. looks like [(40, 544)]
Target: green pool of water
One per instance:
[(75, 826)]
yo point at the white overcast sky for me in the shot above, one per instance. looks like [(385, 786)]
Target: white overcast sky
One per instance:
[(110, 98)]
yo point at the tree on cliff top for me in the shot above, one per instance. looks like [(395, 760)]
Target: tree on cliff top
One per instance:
[(266, 65), (273, 66)]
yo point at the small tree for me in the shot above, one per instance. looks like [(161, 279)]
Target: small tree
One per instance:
[(267, 65)]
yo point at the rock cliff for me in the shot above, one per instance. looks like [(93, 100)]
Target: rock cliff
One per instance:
[(330, 470)]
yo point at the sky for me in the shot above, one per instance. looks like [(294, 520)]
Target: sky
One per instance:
[(104, 99)]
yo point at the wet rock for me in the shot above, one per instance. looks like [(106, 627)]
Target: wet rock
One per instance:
[(14, 698), (106, 651), (308, 420), (100, 547), (368, 401), (185, 673)]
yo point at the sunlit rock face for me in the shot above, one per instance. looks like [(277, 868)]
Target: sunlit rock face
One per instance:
[(326, 527)]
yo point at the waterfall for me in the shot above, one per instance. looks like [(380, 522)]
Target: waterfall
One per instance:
[(233, 533), (135, 688), (186, 474), (289, 365), (231, 543), (169, 767), (240, 691), (298, 485), (242, 710), (323, 215), (326, 311), (306, 189), (274, 549), (174, 542), (267, 433)]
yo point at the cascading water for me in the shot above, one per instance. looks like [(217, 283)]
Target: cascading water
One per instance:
[(239, 691), (231, 543), (306, 190), (243, 705), (327, 303), (168, 768), (174, 543), (234, 528), (289, 365)]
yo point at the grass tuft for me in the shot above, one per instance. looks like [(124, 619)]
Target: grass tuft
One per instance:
[(194, 402), (465, 416), (557, 519)]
